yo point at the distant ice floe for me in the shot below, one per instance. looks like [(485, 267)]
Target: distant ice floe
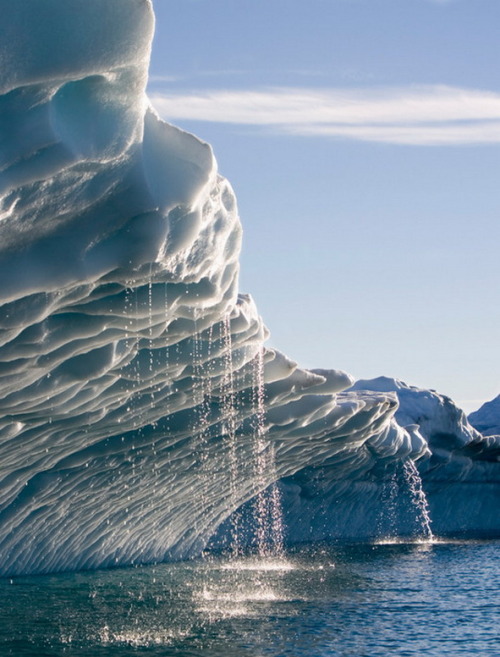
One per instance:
[(139, 407)]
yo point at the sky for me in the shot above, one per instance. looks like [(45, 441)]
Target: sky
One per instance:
[(362, 139)]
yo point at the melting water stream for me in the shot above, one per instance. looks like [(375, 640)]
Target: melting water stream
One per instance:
[(267, 512), (418, 499), (267, 505), (403, 497), (229, 411)]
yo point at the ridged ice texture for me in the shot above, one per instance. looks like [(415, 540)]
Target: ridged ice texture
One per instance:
[(129, 365), (460, 478)]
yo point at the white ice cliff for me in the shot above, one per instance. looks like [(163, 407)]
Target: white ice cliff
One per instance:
[(139, 407)]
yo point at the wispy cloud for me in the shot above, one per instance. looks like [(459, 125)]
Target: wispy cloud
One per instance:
[(162, 78), (424, 115)]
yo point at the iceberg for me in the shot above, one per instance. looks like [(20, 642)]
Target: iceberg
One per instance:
[(455, 491), (139, 405), (487, 418)]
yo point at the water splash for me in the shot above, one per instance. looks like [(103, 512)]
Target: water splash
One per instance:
[(259, 565), (136, 638), (239, 587)]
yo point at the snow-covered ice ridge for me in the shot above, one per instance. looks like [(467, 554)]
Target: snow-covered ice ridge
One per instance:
[(131, 370)]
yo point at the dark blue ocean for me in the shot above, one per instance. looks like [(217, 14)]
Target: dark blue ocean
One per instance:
[(350, 600)]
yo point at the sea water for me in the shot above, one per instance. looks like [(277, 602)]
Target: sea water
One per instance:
[(324, 600)]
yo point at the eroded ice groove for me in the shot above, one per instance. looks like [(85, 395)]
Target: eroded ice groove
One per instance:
[(127, 355)]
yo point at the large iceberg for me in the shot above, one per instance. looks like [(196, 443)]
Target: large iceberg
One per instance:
[(139, 407)]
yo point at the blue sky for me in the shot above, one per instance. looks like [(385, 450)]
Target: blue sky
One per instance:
[(362, 138)]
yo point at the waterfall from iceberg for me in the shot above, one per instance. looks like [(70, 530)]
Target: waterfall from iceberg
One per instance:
[(452, 491), (419, 500), (130, 427)]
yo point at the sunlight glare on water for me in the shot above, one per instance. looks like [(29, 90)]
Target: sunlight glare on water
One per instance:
[(259, 564), (439, 599)]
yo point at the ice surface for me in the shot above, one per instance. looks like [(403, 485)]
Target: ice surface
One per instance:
[(460, 475), (487, 418), (131, 370)]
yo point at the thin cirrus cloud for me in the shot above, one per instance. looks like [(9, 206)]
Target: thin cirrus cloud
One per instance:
[(417, 115)]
